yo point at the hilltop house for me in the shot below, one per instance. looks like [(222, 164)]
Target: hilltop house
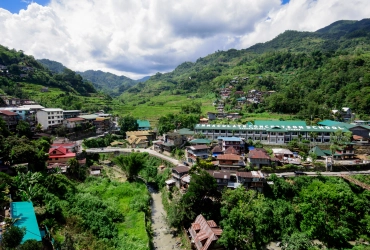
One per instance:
[(60, 155)]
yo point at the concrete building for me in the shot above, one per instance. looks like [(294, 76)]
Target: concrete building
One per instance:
[(48, 117)]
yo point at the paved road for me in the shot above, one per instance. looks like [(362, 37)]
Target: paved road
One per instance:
[(128, 150), (175, 162)]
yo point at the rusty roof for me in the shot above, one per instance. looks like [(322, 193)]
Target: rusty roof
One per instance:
[(231, 150), (207, 233), (198, 147), (75, 119), (231, 157), (8, 113), (219, 174), (258, 154), (181, 169), (217, 149)]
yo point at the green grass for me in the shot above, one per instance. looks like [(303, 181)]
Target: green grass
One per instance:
[(122, 196)]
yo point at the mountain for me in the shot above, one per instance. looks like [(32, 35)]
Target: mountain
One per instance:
[(53, 66), (24, 77), (107, 82), (311, 72)]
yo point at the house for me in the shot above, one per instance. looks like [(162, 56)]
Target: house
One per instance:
[(319, 152), (102, 124), (356, 129), (178, 172), (216, 151), (282, 154), (143, 124), (71, 113), (25, 114), (73, 122), (204, 234), (197, 151), (48, 117), (140, 139), (344, 114), (236, 142), (10, 118), (60, 155), (252, 180), (200, 142), (231, 150), (258, 157), (71, 146), (233, 179), (95, 170), (345, 152), (230, 161)]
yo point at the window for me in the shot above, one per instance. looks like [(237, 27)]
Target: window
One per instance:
[(56, 159), (217, 131), (264, 132), (49, 122), (222, 131), (294, 133), (273, 133), (281, 134)]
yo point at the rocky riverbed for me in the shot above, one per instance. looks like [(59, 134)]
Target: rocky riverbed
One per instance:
[(163, 238)]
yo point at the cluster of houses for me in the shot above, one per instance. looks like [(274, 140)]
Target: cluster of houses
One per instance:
[(51, 118), (24, 71)]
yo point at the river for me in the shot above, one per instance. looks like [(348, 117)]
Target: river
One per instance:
[(162, 238)]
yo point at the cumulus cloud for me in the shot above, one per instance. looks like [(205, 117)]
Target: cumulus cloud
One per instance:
[(141, 37)]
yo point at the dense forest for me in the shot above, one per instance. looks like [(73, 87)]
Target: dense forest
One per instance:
[(312, 72), (301, 212)]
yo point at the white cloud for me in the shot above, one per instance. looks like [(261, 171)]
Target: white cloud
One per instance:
[(137, 38)]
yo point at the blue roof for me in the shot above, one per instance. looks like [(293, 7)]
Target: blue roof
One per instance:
[(143, 123), (229, 138), (328, 123), (24, 210)]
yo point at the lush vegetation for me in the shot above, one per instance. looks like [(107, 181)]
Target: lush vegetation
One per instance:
[(107, 82), (295, 211), (312, 72)]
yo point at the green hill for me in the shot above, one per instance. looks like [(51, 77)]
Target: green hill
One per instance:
[(107, 82), (24, 77), (312, 72)]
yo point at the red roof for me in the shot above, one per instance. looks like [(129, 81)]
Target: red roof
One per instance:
[(197, 147), (228, 157), (258, 154), (60, 152), (7, 112)]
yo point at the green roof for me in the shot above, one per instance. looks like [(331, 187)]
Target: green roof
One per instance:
[(328, 123), (280, 123), (143, 123), (200, 141), (24, 210), (185, 131), (270, 125), (317, 151), (342, 124), (277, 129)]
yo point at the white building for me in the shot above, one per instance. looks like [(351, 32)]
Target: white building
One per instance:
[(49, 117)]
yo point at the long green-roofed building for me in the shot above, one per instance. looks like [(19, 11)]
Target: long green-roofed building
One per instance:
[(27, 218), (270, 132)]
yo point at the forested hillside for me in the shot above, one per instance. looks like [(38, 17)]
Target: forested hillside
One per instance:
[(312, 72), (24, 77), (107, 82)]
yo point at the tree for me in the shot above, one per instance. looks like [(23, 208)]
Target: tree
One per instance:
[(127, 123), (12, 237), (24, 129), (202, 197), (131, 164), (31, 245), (296, 241)]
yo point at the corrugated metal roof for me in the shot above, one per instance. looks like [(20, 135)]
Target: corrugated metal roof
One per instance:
[(228, 157), (24, 210), (143, 123)]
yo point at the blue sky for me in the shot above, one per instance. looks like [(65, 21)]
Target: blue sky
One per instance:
[(14, 6)]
